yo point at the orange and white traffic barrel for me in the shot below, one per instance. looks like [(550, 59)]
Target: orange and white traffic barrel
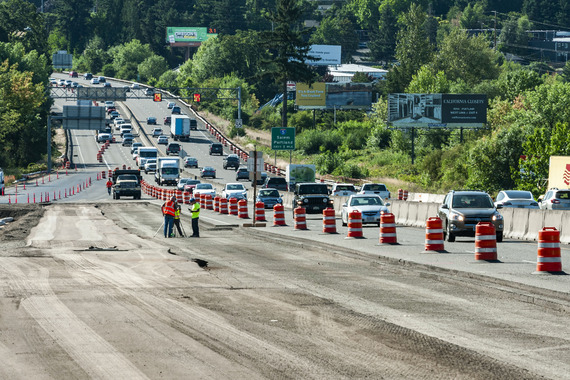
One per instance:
[(103, 174), (355, 224), (388, 229), (400, 194), (260, 211), (329, 221), (223, 205), (549, 259), (208, 201), (485, 241), (233, 206), (216, 204), (405, 195), (279, 215), (186, 198), (434, 234), (242, 209), (179, 196), (300, 218)]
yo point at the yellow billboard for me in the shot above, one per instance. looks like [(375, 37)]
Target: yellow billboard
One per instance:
[(311, 96), (559, 172)]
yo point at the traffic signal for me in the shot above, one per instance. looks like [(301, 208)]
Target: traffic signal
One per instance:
[(158, 97), (197, 98)]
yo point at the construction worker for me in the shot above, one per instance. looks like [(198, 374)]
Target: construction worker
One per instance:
[(177, 211), (168, 210), (109, 185), (195, 210)]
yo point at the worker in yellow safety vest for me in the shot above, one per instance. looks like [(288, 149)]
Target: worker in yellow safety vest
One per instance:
[(195, 210), (177, 210)]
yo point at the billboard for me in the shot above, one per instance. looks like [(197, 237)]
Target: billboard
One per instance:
[(328, 54), (102, 93), (188, 36), (437, 110), (334, 96), (559, 172)]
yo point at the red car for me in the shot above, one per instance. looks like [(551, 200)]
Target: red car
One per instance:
[(167, 120), (73, 74)]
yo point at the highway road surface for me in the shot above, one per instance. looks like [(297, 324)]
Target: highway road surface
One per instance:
[(91, 290)]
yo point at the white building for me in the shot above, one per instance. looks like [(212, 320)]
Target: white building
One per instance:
[(345, 72)]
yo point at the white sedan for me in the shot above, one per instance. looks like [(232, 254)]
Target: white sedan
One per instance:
[(234, 190), (370, 206), (204, 188)]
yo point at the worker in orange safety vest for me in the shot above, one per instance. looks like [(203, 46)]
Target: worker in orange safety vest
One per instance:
[(168, 210)]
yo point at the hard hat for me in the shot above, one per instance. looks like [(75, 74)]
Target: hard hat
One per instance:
[(192, 199), (173, 198)]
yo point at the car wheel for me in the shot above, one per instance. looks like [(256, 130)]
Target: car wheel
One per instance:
[(344, 224), (450, 236), (499, 237)]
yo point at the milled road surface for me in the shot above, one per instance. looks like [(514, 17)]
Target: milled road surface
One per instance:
[(90, 293)]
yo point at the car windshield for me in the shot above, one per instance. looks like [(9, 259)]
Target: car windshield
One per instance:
[(313, 189), (208, 169), (345, 187), (472, 201), (127, 177), (374, 187), (268, 193), (183, 180), (235, 187), (365, 201), (519, 194), (204, 186), (192, 182), (563, 195), (170, 171)]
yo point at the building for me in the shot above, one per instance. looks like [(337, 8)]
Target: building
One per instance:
[(344, 73)]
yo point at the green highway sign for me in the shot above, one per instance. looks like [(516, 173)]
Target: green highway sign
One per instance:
[(282, 138)]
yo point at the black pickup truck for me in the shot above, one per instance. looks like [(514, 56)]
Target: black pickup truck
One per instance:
[(126, 182)]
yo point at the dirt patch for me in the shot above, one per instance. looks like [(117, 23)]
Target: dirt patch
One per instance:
[(25, 217)]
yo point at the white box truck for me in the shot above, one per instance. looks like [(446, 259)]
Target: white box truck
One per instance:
[(180, 127), (145, 153), (167, 171)]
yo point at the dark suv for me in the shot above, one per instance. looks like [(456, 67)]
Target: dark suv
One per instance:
[(242, 173), (216, 148), (173, 148), (462, 210), (314, 197), (231, 161), (278, 183)]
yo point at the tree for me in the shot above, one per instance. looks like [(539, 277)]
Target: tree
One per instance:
[(426, 81), (127, 57), (337, 31), (73, 21), (20, 22), (513, 37), (22, 114), (473, 16), (467, 58), (287, 48), (383, 37), (413, 48), (152, 68)]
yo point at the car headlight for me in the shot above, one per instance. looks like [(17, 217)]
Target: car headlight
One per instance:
[(457, 217), (497, 216)]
